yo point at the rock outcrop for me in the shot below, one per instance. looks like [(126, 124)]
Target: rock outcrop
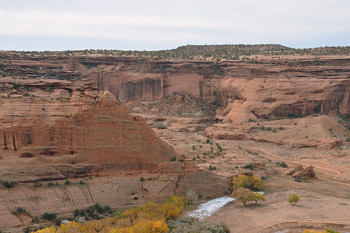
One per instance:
[(260, 88), (54, 130), (299, 172)]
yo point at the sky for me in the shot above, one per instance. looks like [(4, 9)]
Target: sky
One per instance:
[(165, 24)]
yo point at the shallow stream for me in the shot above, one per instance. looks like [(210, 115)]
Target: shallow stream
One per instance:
[(210, 207)]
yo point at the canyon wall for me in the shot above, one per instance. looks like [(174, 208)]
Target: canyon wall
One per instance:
[(64, 128), (241, 89)]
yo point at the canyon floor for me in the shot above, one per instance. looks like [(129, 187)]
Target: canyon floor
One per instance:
[(307, 141)]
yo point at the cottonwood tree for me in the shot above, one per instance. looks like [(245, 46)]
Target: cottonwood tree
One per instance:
[(259, 197), (293, 198)]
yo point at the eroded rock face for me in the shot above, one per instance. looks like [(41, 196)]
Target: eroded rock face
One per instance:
[(241, 90), (88, 128), (55, 130), (283, 97), (263, 88)]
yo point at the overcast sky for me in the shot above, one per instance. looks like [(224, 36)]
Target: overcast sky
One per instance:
[(166, 24)]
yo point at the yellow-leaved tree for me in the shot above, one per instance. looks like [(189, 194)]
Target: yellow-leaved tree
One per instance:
[(243, 181), (148, 218)]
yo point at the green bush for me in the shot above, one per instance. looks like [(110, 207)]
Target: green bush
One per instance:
[(161, 126), (58, 222), (78, 212), (15, 85), (8, 184), (35, 220), (293, 198), (19, 211), (49, 216), (37, 184), (93, 211), (281, 164)]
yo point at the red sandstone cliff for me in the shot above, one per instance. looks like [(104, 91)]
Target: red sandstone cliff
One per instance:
[(63, 127), (262, 88)]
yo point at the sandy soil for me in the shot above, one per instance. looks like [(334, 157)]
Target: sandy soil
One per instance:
[(324, 201), (313, 210)]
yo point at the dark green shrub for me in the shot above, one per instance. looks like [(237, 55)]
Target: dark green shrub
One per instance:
[(250, 166), (35, 220), (37, 184), (15, 85), (49, 216), (19, 211), (58, 222), (8, 184), (96, 216), (107, 209), (76, 213), (161, 126), (142, 179), (281, 164)]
